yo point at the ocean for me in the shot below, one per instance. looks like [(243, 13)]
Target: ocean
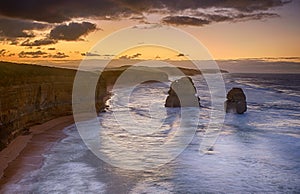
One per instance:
[(258, 151)]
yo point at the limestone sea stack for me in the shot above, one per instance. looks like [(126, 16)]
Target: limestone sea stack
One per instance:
[(236, 101), (182, 93)]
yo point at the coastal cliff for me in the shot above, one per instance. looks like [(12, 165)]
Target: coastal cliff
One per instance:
[(31, 94)]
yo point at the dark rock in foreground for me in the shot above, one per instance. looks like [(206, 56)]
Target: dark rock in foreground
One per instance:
[(236, 101), (182, 93)]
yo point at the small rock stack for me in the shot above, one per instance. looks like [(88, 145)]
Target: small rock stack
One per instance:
[(236, 101), (182, 93)]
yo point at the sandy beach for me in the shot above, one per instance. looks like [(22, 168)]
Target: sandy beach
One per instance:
[(25, 153)]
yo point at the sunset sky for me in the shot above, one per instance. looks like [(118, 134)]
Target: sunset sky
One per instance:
[(51, 30)]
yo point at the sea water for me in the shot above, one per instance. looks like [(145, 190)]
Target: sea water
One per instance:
[(258, 151)]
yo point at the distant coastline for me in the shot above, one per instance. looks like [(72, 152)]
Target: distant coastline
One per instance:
[(282, 65)]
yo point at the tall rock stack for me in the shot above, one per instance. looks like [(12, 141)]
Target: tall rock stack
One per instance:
[(182, 93), (236, 101)]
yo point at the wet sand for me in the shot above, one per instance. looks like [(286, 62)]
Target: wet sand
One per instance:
[(25, 153)]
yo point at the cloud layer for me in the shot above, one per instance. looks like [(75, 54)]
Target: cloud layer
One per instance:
[(54, 11), (33, 23)]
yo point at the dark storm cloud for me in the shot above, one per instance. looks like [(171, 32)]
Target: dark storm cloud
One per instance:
[(185, 20), (69, 32), (55, 11), (41, 42), (16, 28), (72, 31)]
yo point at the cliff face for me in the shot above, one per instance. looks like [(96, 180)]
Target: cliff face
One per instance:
[(33, 94)]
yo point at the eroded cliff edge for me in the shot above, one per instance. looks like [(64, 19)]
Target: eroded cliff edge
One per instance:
[(31, 94)]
